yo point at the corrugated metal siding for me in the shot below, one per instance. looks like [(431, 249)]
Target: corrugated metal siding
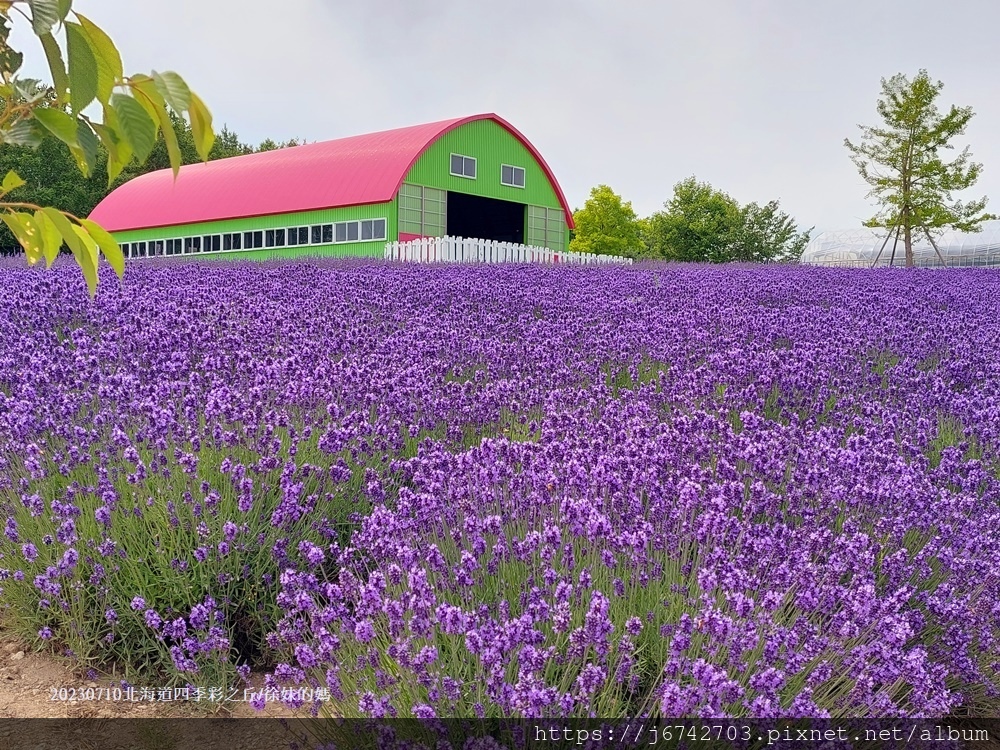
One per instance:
[(491, 145), (374, 248)]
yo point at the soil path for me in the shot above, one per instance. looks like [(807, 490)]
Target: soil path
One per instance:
[(29, 689)]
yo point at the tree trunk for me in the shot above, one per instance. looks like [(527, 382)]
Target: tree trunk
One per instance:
[(908, 244)]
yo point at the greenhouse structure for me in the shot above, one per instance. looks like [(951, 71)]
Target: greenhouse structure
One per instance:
[(863, 248), (475, 177)]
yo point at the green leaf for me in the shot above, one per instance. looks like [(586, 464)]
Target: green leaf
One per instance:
[(22, 133), (44, 15), (109, 61), (108, 137), (111, 249), (65, 228), (88, 243), (10, 61), (121, 154), (82, 67), (86, 155), (173, 89), (170, 138), (29, 91), (60, 124), (148, 96), (11, 181), (51, 239), (201, 127), (24, 228), (88, 266), (56, 66), (137, 127), (64, 8)]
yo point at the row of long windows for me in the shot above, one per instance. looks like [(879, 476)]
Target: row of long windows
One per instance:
[(363, 230)]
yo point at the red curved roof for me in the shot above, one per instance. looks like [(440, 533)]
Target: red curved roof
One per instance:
[(345, 172)]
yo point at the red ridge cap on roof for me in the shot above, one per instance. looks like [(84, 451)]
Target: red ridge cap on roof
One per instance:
[(368, 168)]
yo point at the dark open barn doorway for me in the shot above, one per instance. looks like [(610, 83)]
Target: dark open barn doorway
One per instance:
[(485, 218)]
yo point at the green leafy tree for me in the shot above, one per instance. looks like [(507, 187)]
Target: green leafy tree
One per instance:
[(606, 225), (699, 224), (52, 179), (704, 225), (135, 110), (269, 144), (901, 161), (766, 233), (227, 144)]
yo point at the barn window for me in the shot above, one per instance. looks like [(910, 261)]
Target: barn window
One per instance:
[(210, 243), (317, 234), (327, 234), (510, 175), (253, 239), (298, 235), (279, 237), (463, 166), (155, 248), (192, 245)]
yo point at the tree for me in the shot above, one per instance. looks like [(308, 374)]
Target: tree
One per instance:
[(53, 179), (227, 144), (135, 110), (606, 226), (768, 234), (704, 225), (698, 225), (908, 177), (269, 144)]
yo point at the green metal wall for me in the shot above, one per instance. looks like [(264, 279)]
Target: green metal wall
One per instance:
[(491, 145), (374, 248)]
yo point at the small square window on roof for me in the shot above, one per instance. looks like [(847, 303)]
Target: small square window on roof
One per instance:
[(463, 166)]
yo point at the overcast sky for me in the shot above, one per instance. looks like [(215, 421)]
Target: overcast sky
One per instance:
[(753, 96)]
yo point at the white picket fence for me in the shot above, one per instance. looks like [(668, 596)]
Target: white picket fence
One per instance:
[(472, 250)]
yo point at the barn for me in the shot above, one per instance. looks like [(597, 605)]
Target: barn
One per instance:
[(474, 176)]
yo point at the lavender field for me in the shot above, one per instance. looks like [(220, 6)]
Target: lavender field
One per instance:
[(512, 490)]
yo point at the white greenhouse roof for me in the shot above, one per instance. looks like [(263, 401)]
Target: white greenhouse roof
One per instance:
[(860, 248)]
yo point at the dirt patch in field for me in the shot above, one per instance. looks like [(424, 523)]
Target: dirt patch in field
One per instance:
[(30, 685)]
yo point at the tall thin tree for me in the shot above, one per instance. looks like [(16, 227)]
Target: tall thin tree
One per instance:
[(901, 161)]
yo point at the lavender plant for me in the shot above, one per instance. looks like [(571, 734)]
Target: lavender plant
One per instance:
[(513, 491)]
